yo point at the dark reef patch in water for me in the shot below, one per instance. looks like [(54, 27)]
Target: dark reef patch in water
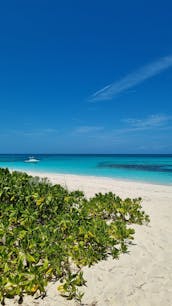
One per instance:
[(154, 168)]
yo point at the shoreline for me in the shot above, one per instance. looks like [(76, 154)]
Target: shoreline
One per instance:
[(141, 277), (50, 175)]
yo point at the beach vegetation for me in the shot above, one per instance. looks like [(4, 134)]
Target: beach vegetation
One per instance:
[(48, 233)]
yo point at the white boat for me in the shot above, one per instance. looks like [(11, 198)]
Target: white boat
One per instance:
[(31, 159)]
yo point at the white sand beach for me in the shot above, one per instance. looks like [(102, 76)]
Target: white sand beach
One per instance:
[(144, 276)]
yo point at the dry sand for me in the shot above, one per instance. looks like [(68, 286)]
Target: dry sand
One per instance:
[(144, 276)]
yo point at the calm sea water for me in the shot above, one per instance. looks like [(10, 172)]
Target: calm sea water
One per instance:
[(147, 168)]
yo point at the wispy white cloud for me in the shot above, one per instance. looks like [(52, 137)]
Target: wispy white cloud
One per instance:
[(150, 122), (88, 129), (125, 127), (129, 128), (132, 79)]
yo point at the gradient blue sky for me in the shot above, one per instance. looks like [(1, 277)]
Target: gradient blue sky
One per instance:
[(85, 76)]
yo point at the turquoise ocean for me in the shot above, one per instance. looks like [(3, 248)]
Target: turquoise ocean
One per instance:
[(147, 168)]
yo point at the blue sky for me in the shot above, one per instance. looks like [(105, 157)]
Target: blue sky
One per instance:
[(85, 76)]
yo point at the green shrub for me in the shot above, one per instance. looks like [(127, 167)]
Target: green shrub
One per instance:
[(47, 232)]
